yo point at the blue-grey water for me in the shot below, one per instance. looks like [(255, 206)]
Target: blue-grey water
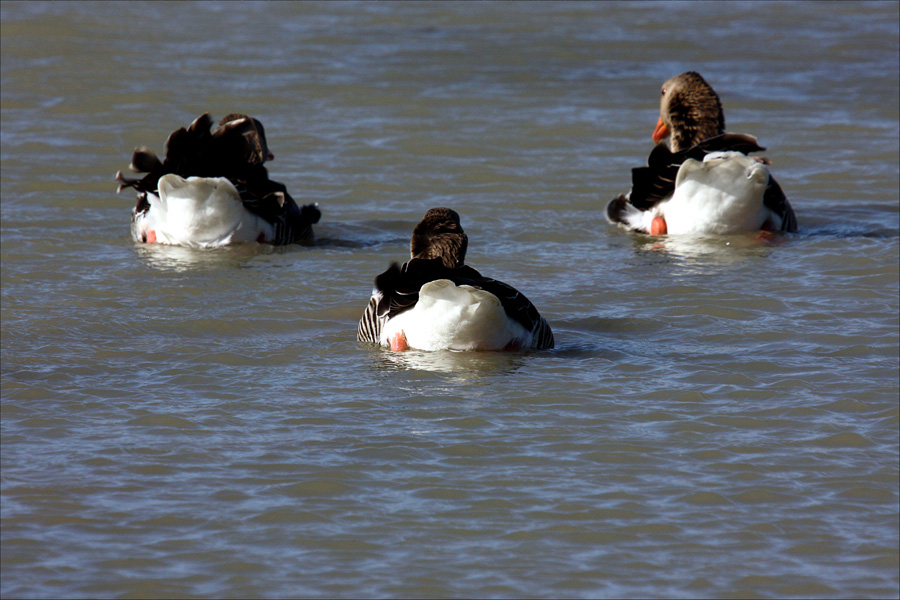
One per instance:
[(719, 418)]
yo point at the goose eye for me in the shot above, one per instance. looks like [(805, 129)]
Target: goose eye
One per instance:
[(663, 92)]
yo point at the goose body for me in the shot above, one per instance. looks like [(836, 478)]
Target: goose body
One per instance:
[(436, 302), (699, 179), (722, 194), (212, 190), (455, 317), (201, 212)]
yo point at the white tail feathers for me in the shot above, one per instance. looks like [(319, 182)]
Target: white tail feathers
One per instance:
[(454, 317), (201, 212)]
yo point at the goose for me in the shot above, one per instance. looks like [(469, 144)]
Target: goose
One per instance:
[(721, 191), (435, 301), (212, 189)]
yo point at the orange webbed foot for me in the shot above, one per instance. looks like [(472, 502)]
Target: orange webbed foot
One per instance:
[(399, 343), (658, 226)]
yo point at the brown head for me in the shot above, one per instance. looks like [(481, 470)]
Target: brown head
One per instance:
[(440, 235), (689, 112), (245, 137)]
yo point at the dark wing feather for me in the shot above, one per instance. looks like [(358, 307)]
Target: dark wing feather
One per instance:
[(777, 202), (520, 309), (370, 324), (271, 202), (653, 183), (736, 142)]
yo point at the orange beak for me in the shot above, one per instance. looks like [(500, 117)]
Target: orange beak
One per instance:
[(661, 132)]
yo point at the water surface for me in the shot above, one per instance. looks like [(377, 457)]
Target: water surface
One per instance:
[(719, 418)]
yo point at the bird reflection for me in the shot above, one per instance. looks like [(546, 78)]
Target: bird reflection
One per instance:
[(180, 258), (465, 366)]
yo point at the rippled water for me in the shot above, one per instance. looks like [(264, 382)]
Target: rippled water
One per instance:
[(719, 418)]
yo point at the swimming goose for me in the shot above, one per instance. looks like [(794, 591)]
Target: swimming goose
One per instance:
[(212, 189), (437, 302), (720, 191)]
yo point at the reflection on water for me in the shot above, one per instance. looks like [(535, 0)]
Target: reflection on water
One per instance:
[(720, 250), (181, 259), (464, 366)]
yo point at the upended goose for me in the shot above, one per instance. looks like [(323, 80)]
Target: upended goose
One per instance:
[(212, 190), (437, 302), (702, 181)]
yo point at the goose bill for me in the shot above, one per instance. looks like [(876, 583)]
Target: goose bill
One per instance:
[(661, 132)]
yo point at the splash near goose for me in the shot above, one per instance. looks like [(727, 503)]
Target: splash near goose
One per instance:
[(212, 189), (699, 179), (437, 302)]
